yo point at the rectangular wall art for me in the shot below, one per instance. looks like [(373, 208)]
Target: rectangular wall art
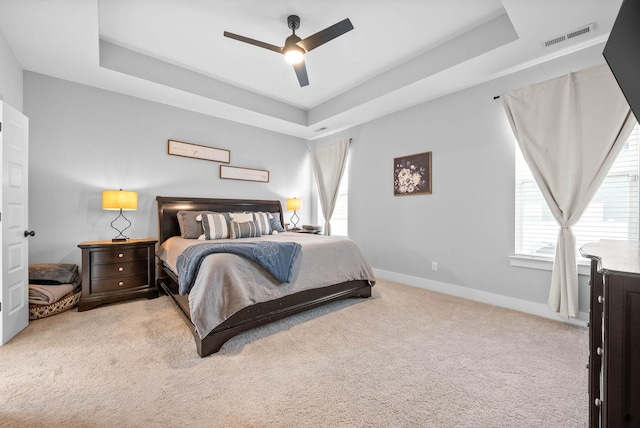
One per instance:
[(412, 175), (248, 174), (196, 151)]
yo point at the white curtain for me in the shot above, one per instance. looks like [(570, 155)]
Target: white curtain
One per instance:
[(570, 130), (328, 164)]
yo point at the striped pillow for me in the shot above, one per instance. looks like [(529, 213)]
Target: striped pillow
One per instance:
[(263, 222), (246, 229), (215, 226)]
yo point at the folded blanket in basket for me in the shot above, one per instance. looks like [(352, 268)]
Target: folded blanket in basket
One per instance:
[(53, 273), (48, 294)]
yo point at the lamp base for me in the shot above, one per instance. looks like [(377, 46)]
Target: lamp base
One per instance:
[(120, 237), (295, 219)]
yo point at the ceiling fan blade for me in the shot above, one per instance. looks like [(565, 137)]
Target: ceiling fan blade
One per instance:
[(323, 36), (253, 42), (301, 72)]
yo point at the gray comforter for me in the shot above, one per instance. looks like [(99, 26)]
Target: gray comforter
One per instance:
[(227, 283)]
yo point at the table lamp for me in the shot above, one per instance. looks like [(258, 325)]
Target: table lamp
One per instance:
[(120, 200), (294, 204)]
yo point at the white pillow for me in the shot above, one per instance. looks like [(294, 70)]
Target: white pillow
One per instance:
[(241, 217)]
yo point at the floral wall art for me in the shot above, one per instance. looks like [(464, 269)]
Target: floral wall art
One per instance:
[(412, 175)]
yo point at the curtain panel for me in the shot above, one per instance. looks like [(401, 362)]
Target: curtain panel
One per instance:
[(570, 130), (328, 164)]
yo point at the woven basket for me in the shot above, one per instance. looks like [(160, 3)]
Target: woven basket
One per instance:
[(43, 311)]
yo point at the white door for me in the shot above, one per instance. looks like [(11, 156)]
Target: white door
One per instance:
[(14, 299)]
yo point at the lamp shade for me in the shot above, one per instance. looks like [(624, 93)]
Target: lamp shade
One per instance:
[(294, 204), (119, 200)]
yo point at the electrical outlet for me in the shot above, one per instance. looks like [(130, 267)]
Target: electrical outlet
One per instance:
[(434, 265)]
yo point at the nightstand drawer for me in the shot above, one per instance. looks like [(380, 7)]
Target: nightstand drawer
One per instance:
[(119, 283), (119, 269), (124, 255)]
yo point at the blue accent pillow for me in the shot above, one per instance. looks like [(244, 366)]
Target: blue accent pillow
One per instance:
[(274, 222)]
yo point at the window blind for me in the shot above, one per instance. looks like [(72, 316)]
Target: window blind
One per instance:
[(612, 214)]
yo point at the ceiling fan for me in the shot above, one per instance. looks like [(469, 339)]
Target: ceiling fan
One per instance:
[(295, 47)]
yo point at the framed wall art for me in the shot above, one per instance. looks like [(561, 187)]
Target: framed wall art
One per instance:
[(247, 174), (196, 151), (412, 175)]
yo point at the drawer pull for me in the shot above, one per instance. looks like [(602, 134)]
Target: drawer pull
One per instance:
[(600, 299), (121, 283), (120, 269), (599, 351), (120, 255), (598, 402)]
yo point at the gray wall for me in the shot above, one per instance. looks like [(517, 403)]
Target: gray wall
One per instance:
[(84, 140), (467, 224), (10, 76)]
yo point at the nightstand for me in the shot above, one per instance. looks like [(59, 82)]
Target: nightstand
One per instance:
[(314, 230), (116, 271)]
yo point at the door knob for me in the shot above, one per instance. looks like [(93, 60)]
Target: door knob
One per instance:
[(28, 233)]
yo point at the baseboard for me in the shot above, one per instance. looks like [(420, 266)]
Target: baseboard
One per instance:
[(528, 307)]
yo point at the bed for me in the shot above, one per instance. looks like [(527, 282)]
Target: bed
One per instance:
[(305, 291)]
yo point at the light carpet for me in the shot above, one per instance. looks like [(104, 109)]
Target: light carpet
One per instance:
[(406, 357)]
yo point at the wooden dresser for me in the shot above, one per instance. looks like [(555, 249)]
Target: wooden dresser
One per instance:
[(116, 271), (614, 333)]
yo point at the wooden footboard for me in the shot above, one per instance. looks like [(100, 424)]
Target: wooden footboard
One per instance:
[(261, 313)]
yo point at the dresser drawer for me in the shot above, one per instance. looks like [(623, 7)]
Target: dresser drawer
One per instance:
[(119, 269), (119, 256), (119, 283)]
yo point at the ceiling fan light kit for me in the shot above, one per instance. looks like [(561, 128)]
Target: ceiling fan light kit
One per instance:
[(293, 53), (295, 48)]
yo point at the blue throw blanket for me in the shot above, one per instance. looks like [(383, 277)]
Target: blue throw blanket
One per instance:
[(276, 257)]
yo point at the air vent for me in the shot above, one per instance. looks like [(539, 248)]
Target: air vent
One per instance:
[(586, 29)]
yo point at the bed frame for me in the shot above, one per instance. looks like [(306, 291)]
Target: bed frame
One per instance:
[(254, 315)]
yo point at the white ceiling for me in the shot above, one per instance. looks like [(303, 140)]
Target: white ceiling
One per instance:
[(400, 53)]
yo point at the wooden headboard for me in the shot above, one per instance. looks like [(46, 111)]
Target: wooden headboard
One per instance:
[(168, 208)]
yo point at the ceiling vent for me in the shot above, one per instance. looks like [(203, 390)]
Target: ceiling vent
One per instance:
[(585, 29)]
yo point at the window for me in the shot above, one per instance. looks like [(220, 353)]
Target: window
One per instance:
[(612, 214), (340, 218)]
